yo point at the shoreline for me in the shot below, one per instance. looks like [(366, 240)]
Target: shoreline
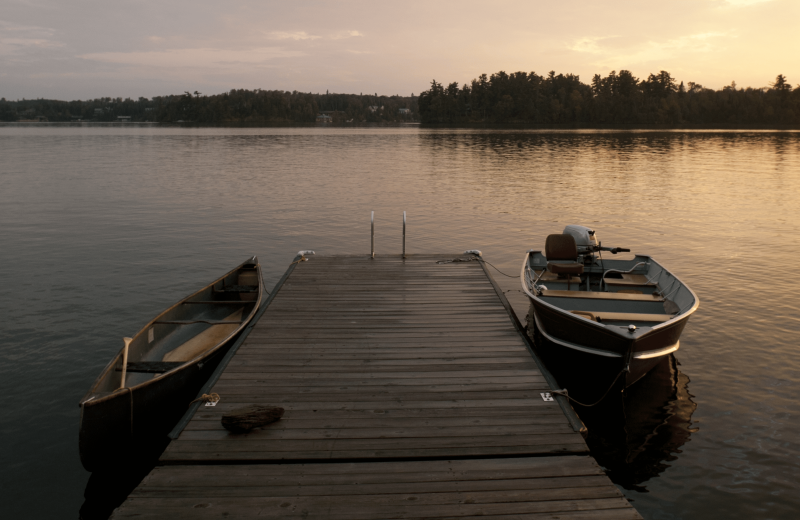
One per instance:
[(433, 126)]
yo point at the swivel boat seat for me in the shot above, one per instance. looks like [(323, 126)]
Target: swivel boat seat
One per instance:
[(562, 256)]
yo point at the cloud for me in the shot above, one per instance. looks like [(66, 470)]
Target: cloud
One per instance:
[(29, 42), (297, 35), (341, 35), (743, 3), (7, 28), (650, 50), (203, 57), (701, 42), (23, 39), (588, 45), (303, 35)]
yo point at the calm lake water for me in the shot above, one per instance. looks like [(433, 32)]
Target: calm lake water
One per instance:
[(103, 226)]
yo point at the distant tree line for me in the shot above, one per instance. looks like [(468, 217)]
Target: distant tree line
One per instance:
[(619, 98), (236, 106), (101, 109)]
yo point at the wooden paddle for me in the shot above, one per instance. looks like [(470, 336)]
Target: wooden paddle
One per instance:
[(125, 360)]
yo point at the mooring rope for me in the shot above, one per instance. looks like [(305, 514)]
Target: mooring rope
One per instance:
[(207, 398), (564, 393), (498, 270), (470, 259)]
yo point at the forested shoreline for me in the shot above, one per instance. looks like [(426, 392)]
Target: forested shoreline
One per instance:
[(236, 106), (617, 99), (517, 98)]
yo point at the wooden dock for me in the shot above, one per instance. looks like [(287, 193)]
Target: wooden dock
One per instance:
[(410, 392)]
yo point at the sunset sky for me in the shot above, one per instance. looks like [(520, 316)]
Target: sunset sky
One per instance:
[(81, 49)]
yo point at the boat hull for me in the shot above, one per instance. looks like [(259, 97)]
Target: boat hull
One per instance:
[(604, 349), (119, 426)]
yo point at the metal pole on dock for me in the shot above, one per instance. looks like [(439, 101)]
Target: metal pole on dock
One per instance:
[(404, 234), (372, 236)]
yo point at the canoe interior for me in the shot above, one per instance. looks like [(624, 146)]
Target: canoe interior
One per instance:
[(646, 295), (233, 297)]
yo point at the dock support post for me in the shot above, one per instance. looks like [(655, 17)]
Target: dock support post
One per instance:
[(372, 236), (404, 234)]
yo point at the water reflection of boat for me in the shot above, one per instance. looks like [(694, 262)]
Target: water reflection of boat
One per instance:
[(633, 434), (618, 316), (109, 486)]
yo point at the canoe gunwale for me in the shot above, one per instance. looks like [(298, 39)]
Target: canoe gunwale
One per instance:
[(92, 397), (214, 377)]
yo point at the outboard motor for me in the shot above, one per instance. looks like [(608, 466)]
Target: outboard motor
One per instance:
[(587, 242), (585, 238)]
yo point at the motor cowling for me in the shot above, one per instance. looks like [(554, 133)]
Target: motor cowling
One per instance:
[(585, 238)]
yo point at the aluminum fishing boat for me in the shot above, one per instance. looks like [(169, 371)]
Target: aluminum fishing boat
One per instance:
[(621, 315), (147, 386)]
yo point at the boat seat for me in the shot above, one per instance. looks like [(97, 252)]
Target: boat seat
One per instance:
[(573, 268), (630, 279), (237, 289), (248, 279), (562, 256), (547, 276), (603, 295), (151, 367), (622, 316)]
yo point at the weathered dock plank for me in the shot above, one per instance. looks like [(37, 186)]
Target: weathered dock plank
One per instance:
[(384, 283), (408, 393), (531, 487)]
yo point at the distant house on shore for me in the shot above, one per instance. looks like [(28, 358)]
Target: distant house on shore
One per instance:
[(404, 111), (123, 119), (324, 118), (374, 108), (336, 116), (34, 119)]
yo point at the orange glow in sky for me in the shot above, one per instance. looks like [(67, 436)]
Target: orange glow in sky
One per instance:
[(146, 48)]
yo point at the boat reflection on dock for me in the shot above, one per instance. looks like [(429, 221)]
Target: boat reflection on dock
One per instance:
[(634, 435)]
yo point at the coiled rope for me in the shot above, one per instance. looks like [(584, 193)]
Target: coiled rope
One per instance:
[(469, 259), (207, 398), (301, 259)]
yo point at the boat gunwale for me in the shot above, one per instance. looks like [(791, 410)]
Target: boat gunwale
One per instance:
[(88, 397), (637, 336), (642, 354)]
